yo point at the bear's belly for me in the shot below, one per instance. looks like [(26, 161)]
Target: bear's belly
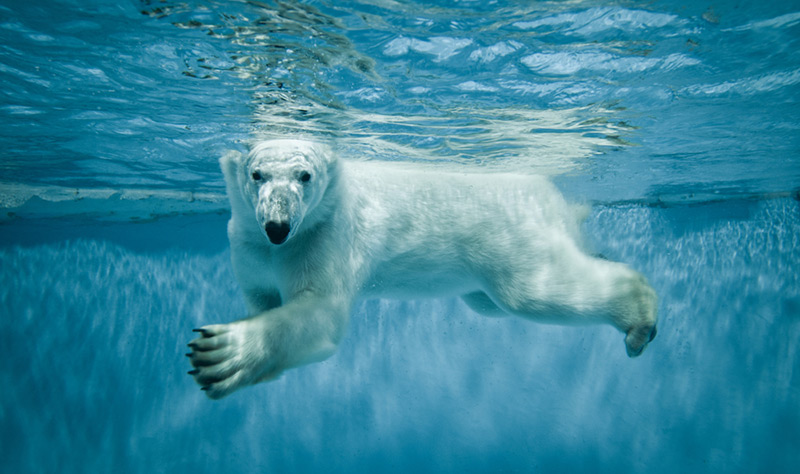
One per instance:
[(413, 280)]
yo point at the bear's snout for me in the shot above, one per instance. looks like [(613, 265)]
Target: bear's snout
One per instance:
[(277, 231)]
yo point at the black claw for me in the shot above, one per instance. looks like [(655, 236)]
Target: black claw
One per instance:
[(188, 354), (204, 332), (192, 345), (206, 388), (193, 372)]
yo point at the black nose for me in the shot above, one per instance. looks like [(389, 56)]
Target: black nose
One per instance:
[(277, 231)]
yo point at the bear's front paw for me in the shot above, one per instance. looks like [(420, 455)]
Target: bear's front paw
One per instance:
[(227, 357)]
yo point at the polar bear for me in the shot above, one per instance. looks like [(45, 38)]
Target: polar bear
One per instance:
[(310, 234)]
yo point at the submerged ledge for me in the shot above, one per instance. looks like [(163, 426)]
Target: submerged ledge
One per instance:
[(21, 201), (36, 202), (699, 199)]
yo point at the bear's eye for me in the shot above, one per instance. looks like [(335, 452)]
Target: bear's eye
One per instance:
[(305, 176), (257, 176)]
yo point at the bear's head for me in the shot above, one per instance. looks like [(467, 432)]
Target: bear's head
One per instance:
[(285, 181)]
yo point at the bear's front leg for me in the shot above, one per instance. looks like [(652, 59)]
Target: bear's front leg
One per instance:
[(227, 357)]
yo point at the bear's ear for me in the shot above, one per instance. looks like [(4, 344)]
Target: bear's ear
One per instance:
[(325, 154), (230, 163)]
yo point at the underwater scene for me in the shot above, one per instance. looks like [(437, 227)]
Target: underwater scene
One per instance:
[(677, 122)]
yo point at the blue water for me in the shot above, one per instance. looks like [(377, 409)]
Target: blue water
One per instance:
[(678, 121)]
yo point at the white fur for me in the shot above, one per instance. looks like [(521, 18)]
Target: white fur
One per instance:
[(507, 244)]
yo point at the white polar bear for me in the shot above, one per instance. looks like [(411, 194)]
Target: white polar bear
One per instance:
[(311, 234)]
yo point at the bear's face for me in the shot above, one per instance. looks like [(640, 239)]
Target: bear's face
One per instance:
[(285, 180)]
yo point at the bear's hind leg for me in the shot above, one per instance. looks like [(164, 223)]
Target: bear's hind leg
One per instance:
[(573, 288)]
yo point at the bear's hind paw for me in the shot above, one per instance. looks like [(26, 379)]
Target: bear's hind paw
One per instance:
[(636, 339)]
